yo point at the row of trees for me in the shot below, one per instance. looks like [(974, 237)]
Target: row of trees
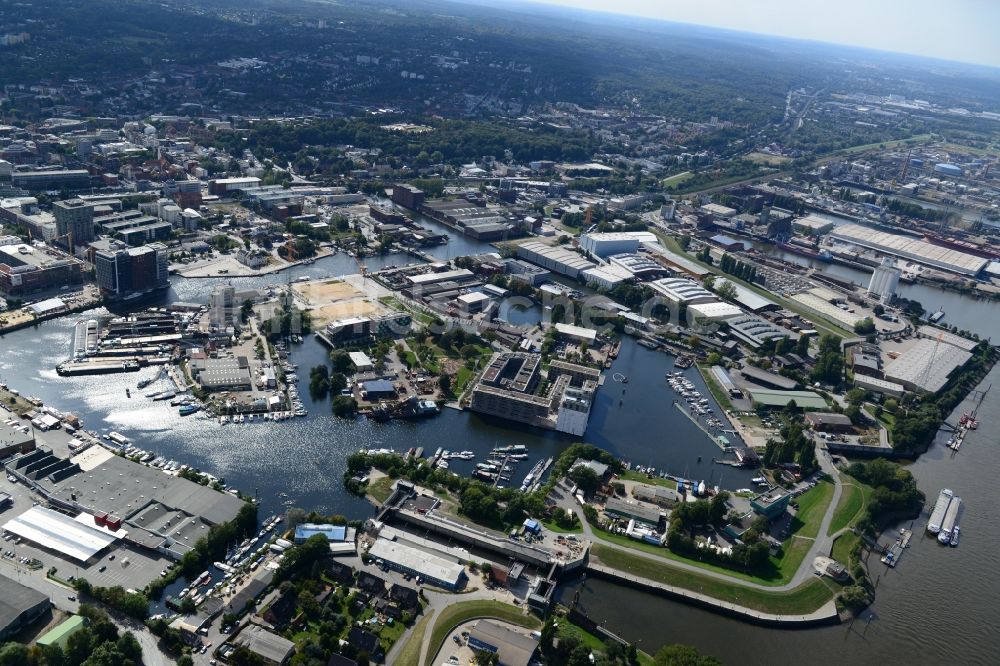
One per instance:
[(737, 268), (793, 446), (133, 604)]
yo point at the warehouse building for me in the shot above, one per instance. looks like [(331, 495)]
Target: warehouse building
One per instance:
[(926, 365), (606, 277), (556, 259), (682, 290), (639, 266), (271, 647), (747, 298), (709, 312), (58, 533), (25, 269), (117, 498), (59, 635), (606, 244), (933, 333), (525, 272), (512, 648), (633, 510), (812, 225), (432, 568), (20, 606), (775, 399), (914, 249), (828, 422), (754, 331), (880, 386)]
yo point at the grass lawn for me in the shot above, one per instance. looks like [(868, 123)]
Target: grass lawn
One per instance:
[(381, 488), (714, 388), (768, 160), (462, 379), (551, 526), (842, 547), (805, 598), (391, 633), (812, 506), (409, 655), (853, 499), (779, 572), (870, 146), (463, 611), (676, 179), (632, 475)]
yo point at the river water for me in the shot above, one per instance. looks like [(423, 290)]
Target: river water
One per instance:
[(939, 605), (301, 461)]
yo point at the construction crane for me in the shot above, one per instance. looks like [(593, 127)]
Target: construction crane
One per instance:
[(906, 167)]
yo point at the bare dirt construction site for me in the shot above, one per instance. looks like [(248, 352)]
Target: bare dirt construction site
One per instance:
[(330, 300)]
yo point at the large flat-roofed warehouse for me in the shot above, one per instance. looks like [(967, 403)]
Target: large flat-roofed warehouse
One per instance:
[(926, 365), (512, 648), (19, 606), (160, 512), (555, 259), (748, 298), (775, 399), (911, 248), (433, 569), (61, 534)]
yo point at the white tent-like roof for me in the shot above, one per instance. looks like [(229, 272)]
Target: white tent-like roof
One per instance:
[(61, 533)]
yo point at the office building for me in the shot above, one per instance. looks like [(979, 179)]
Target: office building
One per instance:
[(222, 306), (885, 281), (58, 179), (226, 186), (407, 196), (74, 219), (121, 271), (508, 386)]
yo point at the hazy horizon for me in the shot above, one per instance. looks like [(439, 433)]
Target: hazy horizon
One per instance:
[(960, 31)]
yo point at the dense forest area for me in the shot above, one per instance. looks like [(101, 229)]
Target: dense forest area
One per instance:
[(315, 54), (451, 141)]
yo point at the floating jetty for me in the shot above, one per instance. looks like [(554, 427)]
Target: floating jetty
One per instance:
[(895, 551)]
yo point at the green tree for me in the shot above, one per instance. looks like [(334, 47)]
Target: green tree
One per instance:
[(683, 655), (344, 406)]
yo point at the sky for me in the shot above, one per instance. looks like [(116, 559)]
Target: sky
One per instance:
[(962, 30)]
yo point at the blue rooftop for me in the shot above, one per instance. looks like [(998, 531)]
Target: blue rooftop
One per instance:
[(379, 386), (332, 532)]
